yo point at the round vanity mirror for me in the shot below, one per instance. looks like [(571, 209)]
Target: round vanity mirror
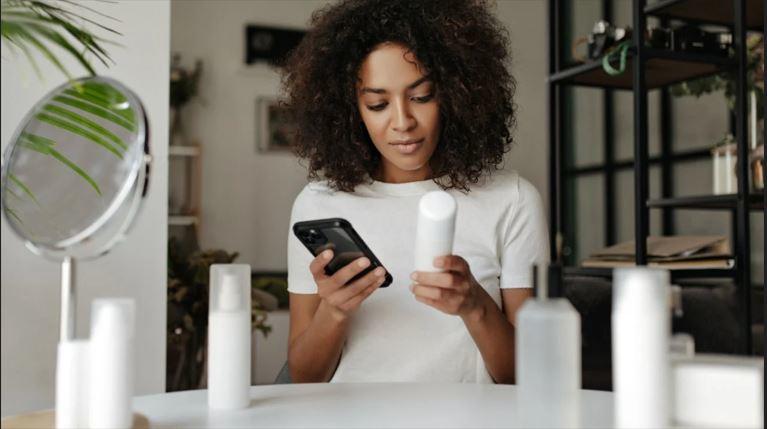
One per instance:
[(75, 174)]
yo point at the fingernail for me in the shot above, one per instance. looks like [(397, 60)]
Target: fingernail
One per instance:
[(411, 287), (379, 271), (327, 254), (414, 276), (364, 262), (439, 262)]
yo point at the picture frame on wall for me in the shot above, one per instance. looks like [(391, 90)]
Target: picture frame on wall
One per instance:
[(276, 129)]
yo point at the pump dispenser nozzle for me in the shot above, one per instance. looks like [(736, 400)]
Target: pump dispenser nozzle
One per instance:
[(229, 298)]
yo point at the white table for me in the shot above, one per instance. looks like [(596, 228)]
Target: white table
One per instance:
[(353, 405)]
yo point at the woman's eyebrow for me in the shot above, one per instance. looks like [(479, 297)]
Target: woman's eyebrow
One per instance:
[(366, 89)]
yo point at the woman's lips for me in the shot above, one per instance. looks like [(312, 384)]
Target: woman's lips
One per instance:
[(406, 148)]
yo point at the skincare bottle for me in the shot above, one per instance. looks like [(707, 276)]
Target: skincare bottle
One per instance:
[(72, 378), (111, 363), (548, 355), (229, 337), (641, 327), (435, 229)]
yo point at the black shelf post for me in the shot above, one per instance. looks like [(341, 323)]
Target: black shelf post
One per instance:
[(641, 181), (609, 149), (555, 125), (742, 251)]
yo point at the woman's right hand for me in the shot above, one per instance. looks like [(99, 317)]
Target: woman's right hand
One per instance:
[(340, 298)]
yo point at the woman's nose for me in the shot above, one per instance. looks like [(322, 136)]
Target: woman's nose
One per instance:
[(403, 119)]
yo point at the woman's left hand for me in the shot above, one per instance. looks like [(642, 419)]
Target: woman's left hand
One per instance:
[(454, 291)]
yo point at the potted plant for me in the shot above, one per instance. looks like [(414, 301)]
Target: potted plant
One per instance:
[(183, 88), (725, 148)]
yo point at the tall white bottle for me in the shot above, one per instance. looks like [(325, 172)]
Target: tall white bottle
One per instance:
[(435, 229), (548, 356), (111, 363), (229, 337), (641, 327)]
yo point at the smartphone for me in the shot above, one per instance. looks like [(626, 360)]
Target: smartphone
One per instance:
[(339, 236)]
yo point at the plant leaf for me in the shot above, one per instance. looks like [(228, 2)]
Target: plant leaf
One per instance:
[(62, 42), (45, 145), (100, 99), (30, 21), (23, 33), (85, 122), (27, 54), (13, 214), (94, 110), (23, 187), (75, 129), (53, 10)]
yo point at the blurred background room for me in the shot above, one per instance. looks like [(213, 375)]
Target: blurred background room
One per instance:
[(225, 180)]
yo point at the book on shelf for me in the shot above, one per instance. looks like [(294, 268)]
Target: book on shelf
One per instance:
[(671, 252)]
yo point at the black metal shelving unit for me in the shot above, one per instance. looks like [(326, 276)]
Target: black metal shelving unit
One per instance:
[(647, 69)]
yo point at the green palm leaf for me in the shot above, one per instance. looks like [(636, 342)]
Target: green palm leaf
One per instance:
[(81, 120), (32, 21), (108, 100), (23, 187), (23, 34), (75, 129), (45, 146), (38, 24), (13, 214), (94, 110)]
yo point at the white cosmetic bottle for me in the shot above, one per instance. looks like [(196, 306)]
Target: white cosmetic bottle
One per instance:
[(435, 229), (641, 326), (229, 337), (548, 362), (111, 363), (72, 379)]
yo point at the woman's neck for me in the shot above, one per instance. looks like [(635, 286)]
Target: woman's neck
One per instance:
[(396, 175)]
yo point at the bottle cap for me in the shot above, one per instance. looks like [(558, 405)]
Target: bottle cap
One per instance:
[(437, 205), (229, 287)]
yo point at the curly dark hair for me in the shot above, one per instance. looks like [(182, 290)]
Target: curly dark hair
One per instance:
[(464, 50)]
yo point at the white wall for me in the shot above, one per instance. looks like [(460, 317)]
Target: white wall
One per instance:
[(526, 22), (136, 268), (247, 195)]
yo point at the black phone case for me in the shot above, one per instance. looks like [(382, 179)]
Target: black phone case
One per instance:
[(351, 240)]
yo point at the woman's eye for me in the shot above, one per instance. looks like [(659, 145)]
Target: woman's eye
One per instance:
[(378, 107), (425, 99)]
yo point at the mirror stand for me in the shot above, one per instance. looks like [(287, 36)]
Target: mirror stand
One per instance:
[(68, 300)]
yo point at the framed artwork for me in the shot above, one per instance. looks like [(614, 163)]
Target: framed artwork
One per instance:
[(275, 128)]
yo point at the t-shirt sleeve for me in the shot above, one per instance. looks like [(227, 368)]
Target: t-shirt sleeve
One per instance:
[(300, 279), (526, 238)]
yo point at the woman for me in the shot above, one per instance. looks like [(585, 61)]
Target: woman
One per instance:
[(394, 99)]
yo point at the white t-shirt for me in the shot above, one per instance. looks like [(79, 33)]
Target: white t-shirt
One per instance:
[(500, 230)]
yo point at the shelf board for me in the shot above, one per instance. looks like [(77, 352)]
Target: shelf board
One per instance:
[(178, 150), (718, 12), (707, 202), (607, 273), (182, 220), (662, 68)]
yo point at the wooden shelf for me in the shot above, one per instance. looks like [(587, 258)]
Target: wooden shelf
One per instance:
[(178, 150), (662, 68), (708, 202), (183, 220), (719, 12), (607, 273)]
